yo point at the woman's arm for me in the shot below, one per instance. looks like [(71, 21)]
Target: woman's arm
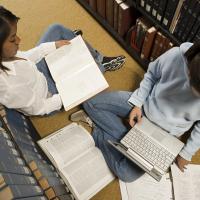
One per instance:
[(39, 52)]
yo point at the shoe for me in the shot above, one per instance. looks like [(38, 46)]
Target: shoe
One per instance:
[(78, 32), (113, 63), (81, 116)]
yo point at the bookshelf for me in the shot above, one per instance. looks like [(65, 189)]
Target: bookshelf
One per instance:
[(119, 39), (25, 171), (114, 34)]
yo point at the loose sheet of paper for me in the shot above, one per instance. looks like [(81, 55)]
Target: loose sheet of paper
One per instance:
[(186, 184), (147, 188)]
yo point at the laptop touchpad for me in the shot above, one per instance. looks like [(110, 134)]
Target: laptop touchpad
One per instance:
[(159, 136)]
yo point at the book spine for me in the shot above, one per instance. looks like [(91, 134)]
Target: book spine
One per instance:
[(133, 37), (20, 191), (155, 46), (15, 168), (5, 149), (26, 147), (52, 192), (142, 3), (185, 15), (169, 13), (116, 7), (110, 12), (126, 18), (65, 197), (161, 10), (149, 6), (93, 4), (148, 43), (39, 173), (155, 8), (194, 30), (40, 164), (160, 46), (197, 37), (47, 182), (141, 32), (34, 198), (176, 16), (101, 8), (193, 17), (16, 179)]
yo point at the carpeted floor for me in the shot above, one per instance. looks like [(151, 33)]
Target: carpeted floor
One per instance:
[(35, 17)]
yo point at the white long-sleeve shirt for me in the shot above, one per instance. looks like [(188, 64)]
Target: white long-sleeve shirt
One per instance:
[(25, 88)]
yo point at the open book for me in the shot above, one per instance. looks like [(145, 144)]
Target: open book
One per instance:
[(81, 165), (175, 185), (75, 72)]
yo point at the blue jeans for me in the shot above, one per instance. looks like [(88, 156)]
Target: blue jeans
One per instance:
[(107, 110), (57, 32)]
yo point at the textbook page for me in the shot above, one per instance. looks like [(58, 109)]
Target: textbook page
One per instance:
[(186, 184), (69, 59), (147, 188), (87, 175), (67, 143), (80, 86), (75, 72), (79, 162)]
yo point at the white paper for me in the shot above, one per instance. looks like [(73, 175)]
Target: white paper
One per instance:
[(147, 188), (186, 184)]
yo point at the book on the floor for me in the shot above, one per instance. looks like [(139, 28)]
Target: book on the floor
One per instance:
[(80, 164), (174, 185), (75, 72)]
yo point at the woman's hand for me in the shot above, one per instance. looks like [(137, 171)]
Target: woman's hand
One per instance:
[(60, 43), (181, 163), (135, 116)]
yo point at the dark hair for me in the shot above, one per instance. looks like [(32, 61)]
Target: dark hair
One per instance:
[(193, 58), (6, 18)]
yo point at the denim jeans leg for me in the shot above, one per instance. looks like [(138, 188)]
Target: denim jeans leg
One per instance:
[(107, 111), (98, 57), (122, 167)]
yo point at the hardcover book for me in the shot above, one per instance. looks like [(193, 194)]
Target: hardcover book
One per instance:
[(80, 164)]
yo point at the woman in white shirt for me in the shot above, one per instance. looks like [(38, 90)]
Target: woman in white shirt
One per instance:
[(28, 87)]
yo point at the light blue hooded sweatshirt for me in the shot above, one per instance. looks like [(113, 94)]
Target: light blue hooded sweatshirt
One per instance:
[(167, 98)]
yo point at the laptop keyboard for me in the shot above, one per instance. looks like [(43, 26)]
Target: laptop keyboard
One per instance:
[(146, 148)]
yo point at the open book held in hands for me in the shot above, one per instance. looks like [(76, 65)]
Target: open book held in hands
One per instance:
[(80, 164), (75, 72)]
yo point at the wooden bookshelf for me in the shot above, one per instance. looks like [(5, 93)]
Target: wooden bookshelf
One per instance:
[(157, 25), (120, 40), (114, 34)]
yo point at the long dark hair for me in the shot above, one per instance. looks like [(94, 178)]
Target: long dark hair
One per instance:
[(6, 18), (193, 58)]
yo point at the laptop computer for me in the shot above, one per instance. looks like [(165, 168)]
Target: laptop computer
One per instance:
[(150, 147)]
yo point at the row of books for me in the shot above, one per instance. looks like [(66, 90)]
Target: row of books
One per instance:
[(180, 17), (24, 172), (16, 180), (147, 40), (120, 14)]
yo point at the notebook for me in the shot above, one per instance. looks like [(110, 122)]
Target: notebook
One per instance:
[(150, 147), (75, 72)]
